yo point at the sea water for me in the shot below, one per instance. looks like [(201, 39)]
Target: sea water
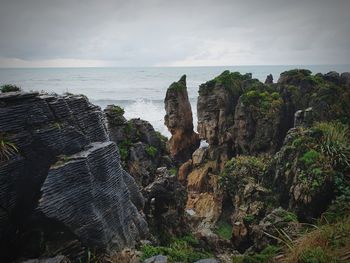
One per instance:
[(139, 90)]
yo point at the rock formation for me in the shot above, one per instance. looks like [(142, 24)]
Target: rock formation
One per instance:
[(184, 141), (238, 115), (142, 149), (61, 174)]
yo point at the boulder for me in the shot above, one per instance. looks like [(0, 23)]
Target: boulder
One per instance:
[(184, 141)]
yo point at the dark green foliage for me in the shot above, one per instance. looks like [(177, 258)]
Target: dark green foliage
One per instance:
[(315, 255), (239, 169), (300, 73), (310, 157), (124, 149), (264, 256), (151, 151), (262, 101), (231, 81), (9, 88), (223, 229), (248, 219), (324, 155), (288, 216), (179, 250), (179, 85), (118, 110)]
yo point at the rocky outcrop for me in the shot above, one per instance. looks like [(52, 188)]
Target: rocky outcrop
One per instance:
[(184, 141), (165, 201), (142, 149), (257, 122), (216, 105), (61, 174)]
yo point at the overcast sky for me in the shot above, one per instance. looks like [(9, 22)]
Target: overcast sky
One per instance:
[(173, 33)]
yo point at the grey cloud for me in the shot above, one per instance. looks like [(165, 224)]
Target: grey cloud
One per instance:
[(156, 32)]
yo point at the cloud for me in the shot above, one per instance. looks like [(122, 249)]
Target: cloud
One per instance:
[(168, 33)]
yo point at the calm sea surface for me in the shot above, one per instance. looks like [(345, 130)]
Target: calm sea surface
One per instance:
[(140, 91)]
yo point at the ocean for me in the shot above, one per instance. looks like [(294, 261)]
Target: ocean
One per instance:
[(139, 90)]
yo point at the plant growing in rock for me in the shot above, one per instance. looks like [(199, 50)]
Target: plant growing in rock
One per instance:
[(239, 169), (9, 88), (7, 149), (151, 151)]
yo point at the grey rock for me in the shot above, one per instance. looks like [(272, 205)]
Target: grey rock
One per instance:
[(208, 260), (57, 259), (66, 172), (157, 259), (269, 79), (346, 78)]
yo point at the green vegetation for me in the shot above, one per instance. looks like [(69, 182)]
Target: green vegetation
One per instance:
[(151, 151), (262, 101), (298, 73), (239, 169), (248, 219), (310, 157), (328, 242), (224, 229), (315, 255), (179, 85), (124, 149), (231, 81), (264, 256), (7, 149), (117, 110), (288, 216), (179, 250), (173, 171), (9, 88)]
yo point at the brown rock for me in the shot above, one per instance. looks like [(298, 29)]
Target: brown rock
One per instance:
[(184, 171), (178, 119)]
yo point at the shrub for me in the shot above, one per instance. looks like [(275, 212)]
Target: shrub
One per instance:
[(9, 88), (242, 167), (7, 149), (314, 255), (179, 250), (310, 157), (335, 143), (265, 256), (224, 230), (151, 151)]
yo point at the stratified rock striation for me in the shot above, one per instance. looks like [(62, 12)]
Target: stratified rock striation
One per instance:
[(64, 172), (184, 141)]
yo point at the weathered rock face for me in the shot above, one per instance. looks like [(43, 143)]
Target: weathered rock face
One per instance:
[(216, 105), (257, 122), (184, 141), (142, 149), (164, 208), (64, 173)]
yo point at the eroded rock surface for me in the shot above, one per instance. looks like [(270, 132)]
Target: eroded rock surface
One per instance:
[(184, 141), (62, 176)]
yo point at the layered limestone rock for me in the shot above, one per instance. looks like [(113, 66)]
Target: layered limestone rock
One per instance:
[(61, 174), (216, 105), (142, 149), (184, 141), (238, 115)]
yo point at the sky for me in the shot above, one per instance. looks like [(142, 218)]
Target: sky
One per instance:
[(123, 33)]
